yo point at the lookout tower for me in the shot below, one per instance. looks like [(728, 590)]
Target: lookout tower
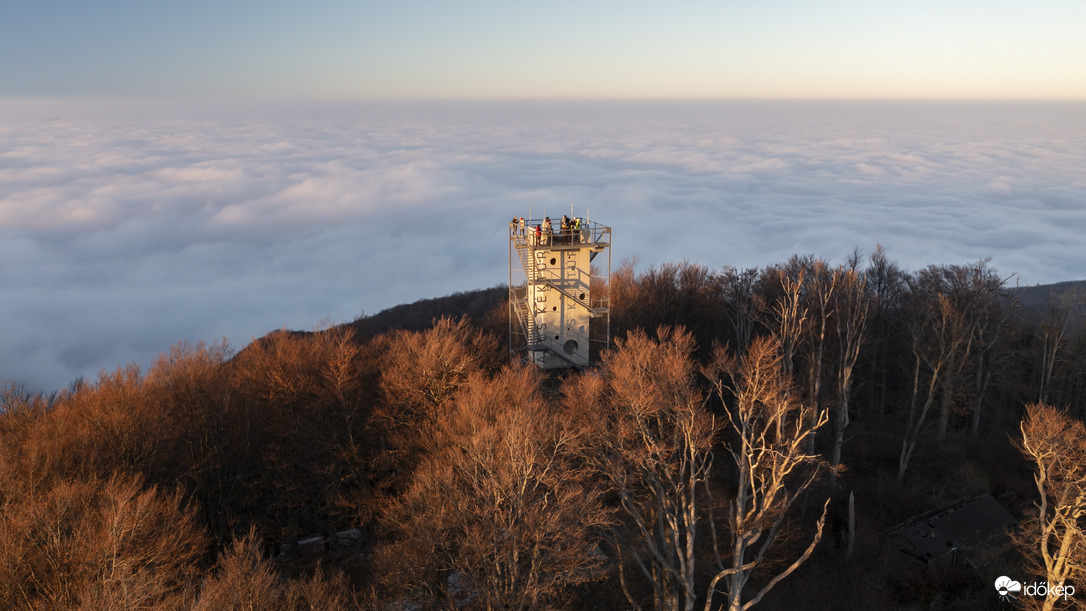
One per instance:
[(559, 291)]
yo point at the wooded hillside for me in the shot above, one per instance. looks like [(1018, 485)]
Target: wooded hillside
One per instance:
[(752, 437)]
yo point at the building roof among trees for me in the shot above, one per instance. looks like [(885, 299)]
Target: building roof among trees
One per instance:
[(974, 531)]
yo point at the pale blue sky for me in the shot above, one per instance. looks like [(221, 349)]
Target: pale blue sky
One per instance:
[(556, 49)]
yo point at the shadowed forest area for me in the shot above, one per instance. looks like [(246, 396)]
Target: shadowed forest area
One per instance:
[(753, 438)]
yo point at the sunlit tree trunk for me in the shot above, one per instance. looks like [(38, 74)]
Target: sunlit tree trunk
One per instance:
[(1055, 542), (770, 428), (653, 447), (790, 316)]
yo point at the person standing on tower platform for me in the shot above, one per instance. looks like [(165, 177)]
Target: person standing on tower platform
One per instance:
[(548, 230)]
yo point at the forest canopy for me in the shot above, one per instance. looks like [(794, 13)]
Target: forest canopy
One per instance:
[(749, 438)]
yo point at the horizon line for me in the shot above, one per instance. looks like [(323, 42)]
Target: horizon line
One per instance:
[(256, 98)]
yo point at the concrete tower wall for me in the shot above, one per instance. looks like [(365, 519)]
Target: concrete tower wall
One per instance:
[(555, 319), (560, 306)]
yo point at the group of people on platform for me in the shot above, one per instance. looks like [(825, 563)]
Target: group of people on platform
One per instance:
[(570, 230)]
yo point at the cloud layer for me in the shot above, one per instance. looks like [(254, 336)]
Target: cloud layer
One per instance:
[(125, 232)]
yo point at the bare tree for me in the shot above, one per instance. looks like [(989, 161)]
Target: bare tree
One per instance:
[(932, 339), (770, 432), (971, 290), (948, 315), (421, 374), (341, 377), (1055, 541), (423, 370), (741, 294), (789, 312), (994, 309), (98, 544), (501, 514), (886, 286), (822, 285), (958, 341), (1057, 318), (300, 396), (653, 442), (851, 321), (244, 580)]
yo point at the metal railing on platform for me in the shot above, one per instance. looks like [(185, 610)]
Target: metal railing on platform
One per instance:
[(527, 237), (543, 233)]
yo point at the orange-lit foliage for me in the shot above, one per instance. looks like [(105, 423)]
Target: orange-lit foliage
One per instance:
[(303, 396), (200, 429), (420, 374), (770, 429), (244, 579), (94, 430), (500, 513), (160, 426), (98, 544), (1053, 540), (423, 370), (487, 488), (651, 442)]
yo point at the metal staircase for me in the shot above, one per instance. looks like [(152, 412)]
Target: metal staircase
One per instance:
[(562, 282), (536, 340), (525, 315), (526, 252)]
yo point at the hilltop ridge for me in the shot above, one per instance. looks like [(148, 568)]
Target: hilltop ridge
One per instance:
[(371, 464)]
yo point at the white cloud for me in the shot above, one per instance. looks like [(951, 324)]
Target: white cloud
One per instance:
[(124, 235)]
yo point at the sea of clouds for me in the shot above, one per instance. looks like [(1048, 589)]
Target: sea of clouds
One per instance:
[(126, 227)]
